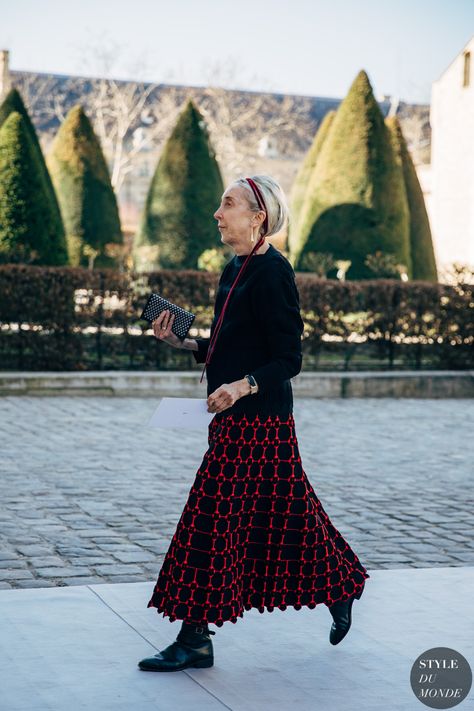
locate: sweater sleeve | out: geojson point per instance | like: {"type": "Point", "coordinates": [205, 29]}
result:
{"type": "Point", "coordinates": [275, 302]}
{"type": "Point", "coordinates": [203, 343]}
{"type": "Point", "coordinates": [201, 353]}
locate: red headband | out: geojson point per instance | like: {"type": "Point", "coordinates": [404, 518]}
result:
{"type": "Point", "coordinates": [260, 201]}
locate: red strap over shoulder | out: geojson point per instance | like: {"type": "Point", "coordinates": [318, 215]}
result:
{"type": "Point", "coordinates": [221, 316]}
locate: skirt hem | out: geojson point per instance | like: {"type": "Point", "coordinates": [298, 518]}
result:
{"type": "Point", "coordinates": [358, 588]}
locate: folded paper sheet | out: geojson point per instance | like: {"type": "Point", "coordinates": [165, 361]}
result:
{"type": "Point", "coordinates": [183, 412]}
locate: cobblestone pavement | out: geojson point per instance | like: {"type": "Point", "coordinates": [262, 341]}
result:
{"type": "Point", "coordinates": [90, 494]}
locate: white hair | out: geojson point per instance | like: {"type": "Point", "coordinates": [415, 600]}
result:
{"type": "Point", "coordinates": [275, 201]}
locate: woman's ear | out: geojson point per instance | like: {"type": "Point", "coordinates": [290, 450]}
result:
{"type": "Point", "coordinates": [258, 219]}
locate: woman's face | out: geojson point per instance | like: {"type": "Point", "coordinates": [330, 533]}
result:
{"type": "Point", "coordinates": [235, 219]}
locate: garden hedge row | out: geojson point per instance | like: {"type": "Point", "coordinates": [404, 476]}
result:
{"type": "Point", "coordinates": [66, 318]}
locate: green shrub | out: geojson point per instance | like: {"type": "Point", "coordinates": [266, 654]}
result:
{"type": "Point", "coordinates": [82, 181]}
{"type": "Point", "coordinates": [300, 185]}
{"type": "Point", "coordinates": [356, 202]}
{"type": "Point", "coordinates": [27, 216]}
{"type": "Point", "coordinates": [177, 223]}
{"type": "Point", "coordinates": [421, 244]}
{"type": "Point", "coordinates": [56, 253]}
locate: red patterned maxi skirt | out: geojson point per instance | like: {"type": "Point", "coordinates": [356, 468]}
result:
{"type": "Point", "coordinates": [253, 533]}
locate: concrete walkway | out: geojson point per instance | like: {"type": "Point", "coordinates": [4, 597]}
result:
{"type": "Point", "coordinates": [66, 649]}
{"type": "Point", "coordinates": [179, 383]}
{"type": "Point", "coordinates": [90, 500]}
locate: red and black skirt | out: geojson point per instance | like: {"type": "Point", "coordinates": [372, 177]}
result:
{"type": "Point", "coordinates": [253, 533]}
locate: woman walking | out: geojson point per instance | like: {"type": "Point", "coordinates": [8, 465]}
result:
{"type": "Point", "coordinates": [252, 533]}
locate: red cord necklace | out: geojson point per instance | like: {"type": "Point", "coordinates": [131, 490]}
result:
{"type": "Point", "coordinates": [212, 342]}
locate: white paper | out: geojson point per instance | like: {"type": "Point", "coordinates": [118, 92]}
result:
{"type": "Point", "coordinates": [183, 412]}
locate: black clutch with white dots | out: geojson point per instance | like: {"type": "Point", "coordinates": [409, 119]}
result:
{"type": "Point", "coordinates": [157, 304]}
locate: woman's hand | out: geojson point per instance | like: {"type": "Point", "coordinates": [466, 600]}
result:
{"type": "Point", "coordinates": [226, 394]}
{"type": "Point", "coordinates": [162, 329]}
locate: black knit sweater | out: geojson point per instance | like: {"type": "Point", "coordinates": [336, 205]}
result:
{"type": "Point", "coordinates": [260, 334]}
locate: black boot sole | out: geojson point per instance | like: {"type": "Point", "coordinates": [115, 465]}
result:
{"type": "Point", "coordinates": [204, 664]}
{"type": "Point", "coordinates": [178, 656]}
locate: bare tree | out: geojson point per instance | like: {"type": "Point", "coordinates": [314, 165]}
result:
{"type": "Point", "coordinates": [415, 124]}
{"type": "Point", "coordinates": [237, 119]}
{"type": "Point", "coordinates": [36, 90]}
{"type": "Point", "coordinates": [117, 110]}
{"type": "Point", "coordinates": [127, 115]}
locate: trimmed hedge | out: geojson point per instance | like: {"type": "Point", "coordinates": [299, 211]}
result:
{"type": "Point", "coordinates": [26, 214]}
{"type": "Point", "coordinates": [300, 184]}
{"type": "Point", "coordinates": [64, 318]}
{"type": "Point", "coordinates": [421, 245]}
{"type": "Point", "coordinates": [177, 225]}
{"type": "Point", "coordinates": [355, 203]}
{"type": "Point", "coordinates": [56, 253]}
{"type": "Point", "coordinates": [81, 178]}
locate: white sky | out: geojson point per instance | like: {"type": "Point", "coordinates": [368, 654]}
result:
{"type": "Point", "coordinates": [311, 47]}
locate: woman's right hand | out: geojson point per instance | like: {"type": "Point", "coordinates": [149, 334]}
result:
{"type": "Point", "coordinates": [162, 329]}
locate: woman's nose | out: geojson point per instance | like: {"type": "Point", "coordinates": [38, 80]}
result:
{"type": "Point", "coordinates": [216, 214]}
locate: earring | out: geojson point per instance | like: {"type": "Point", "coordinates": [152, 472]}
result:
{"type": "Point", "coordinates": [252, 236]}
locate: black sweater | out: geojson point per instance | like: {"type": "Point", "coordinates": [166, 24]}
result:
{"type": "Point", "coordinates": [260, 334]}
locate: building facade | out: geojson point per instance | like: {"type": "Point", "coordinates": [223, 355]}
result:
{"type": "Point", "coordinates": [452, 161]}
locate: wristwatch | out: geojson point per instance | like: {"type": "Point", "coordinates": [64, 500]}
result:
{"type": "Point", "coordinates": [253, 384]}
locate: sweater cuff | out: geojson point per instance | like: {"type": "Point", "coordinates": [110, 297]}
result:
{"type": "Point", "coordinates": [201, 353]}
{"type": "Point", "coordinates": [273, 374]}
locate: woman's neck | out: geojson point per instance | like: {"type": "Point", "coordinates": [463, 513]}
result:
{"type": "Point", "coordinates": [261, 250]}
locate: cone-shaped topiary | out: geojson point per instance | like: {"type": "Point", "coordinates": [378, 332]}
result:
{"type": "Point", "coordinates": [421, 244]}
{"type": "Point", "coordinates": [58, 254]}
{"type": "Point", "coordinates": [27, 218]}
{"type": "Point", "coordinates": [177, 224]}
{"type": "Point", "coordinates": [355, 204]}
{"type": "Point", "coordinates": [300, 184]}
{"type": "Point", "coordinates": [82, 181]}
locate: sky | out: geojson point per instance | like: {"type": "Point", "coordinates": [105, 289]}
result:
{"type": "Point", "coordinates": [308, 47]}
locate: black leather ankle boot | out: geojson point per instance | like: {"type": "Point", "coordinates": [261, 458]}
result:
{"type": "Point", "coordinates": [341, 613]}
{"type": "Point", "coordinates": [192, 648]}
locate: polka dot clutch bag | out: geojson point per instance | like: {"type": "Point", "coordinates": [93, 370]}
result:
{"type": "Point", "coordinates": [183, 319]}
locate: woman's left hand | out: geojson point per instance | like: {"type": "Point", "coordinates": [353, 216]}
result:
{"type": "Point", "coordinates": [225, 395]}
